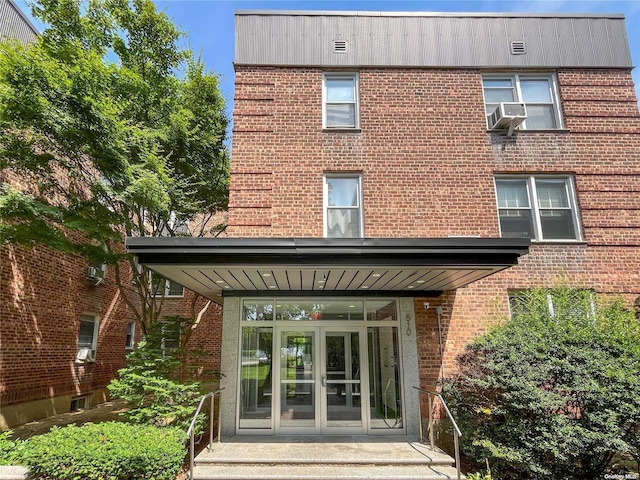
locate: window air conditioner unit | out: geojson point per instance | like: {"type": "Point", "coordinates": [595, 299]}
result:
{"type": "Point", "coordinates": [95, 275]}
{"type": "Point", "coordinates": [85, 355]}
{"type": "Point", "coordinates": [507, 115]}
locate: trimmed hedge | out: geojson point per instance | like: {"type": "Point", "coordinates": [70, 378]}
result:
{"type": "Point", "coordinates": [104, 451]}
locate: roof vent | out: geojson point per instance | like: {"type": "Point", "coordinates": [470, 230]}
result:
{"type": "Point", "coordinates": [518, 48]}
{"type": "Point", "coordinates": [339, 46]}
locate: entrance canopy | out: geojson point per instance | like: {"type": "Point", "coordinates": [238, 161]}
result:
{"type": "Point", "coordinates": [218, 267]}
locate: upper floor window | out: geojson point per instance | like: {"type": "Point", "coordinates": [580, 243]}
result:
{"type": "Point", "coordinates": [537, 92]}
{"type": "Point", "coordinates": [96, 273]}
{"type": "Point", "coordinates": [537, 207]}
{"type": "Point", "coordinates": [343, 206]}
{"type": "Point", "coordinates": [173, 226]}
{"type": "Point", "coordinates": [163, 287]}
{"type": "Point", "coordinates": [340, 100]}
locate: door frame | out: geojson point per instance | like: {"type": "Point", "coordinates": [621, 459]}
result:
{"type": "Point", "coordinates": [319, 368]}
{"type": "Point", "coordinates": [325, 428]}
{"type": "Point", "coordinates": [277, 381]}
{"type": "Point", "coordinates": [404, 309]}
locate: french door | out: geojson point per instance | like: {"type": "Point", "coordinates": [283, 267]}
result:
{"type": "Point", "coordinates": [321, 381]}
{"type": "Point", "coordinates": [320, 367]}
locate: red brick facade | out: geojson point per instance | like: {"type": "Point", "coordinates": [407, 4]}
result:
{"type": "Point", "coordinates": [428, 166]}
{"type": "Point", "coordinates": [43, 295]}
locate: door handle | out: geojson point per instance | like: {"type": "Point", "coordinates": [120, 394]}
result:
{"type": "Point", "coordinates": [324, 380]}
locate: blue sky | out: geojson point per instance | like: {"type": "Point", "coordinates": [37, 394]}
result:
{"type": "Point", "coordinates": [209, 24]}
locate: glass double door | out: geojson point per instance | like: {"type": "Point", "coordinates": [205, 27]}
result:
{"type": "Point", "coordinates": [321, 378]}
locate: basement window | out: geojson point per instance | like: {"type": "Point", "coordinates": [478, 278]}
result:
{"type": "Point", "coordinates": [79, 403]}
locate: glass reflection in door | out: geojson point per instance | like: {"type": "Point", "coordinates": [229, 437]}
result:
{"type": "Point", "coordinates": [342, 379]}
{"type": "Point", "coordinates": [384, 378]}
{"type": "Point", "coordinates": [297, 379]}
{"type": "Point", "coordinates": [255, 377]}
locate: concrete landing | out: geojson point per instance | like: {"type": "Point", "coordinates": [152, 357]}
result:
{"type": "Point", "coordinates": [323, 458]}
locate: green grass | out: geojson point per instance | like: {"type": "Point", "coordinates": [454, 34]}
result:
{"type": "Point", "coordinates": [255, 372]}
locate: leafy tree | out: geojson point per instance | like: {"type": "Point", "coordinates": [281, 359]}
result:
{"type": "Point", "coordinates": [109, 128]}
{"type": "Point", "coordinates": [553, 392]}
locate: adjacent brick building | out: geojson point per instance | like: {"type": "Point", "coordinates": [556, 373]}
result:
{"type": "Point", "coordinates": [64, 328]}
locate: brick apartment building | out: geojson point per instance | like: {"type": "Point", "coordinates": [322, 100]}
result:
{"type": "Point", "coordinates": [396, 178]}
{"type": "Point", "coordinates": [64, 329]}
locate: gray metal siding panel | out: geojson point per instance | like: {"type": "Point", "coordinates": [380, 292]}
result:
{"type": "Point", "coordinates": [549, 42]}
{"type": "Point", "coordinates": [431, 41]}
{"type": "Point", "coordinates": [618, 41]}
{"type": "Point", "coordinates": [14, 25]}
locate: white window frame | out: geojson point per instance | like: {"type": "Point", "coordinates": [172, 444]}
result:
{"type": "Point", "coordinates": [86, 317]}
{"type": "Point", "coordinates": [516, 78]}
{"type": "Point", "coordinates": [550, 306]}
{"type": "Point", "coordinates": [164, 340]}
{"type": "Point", "coordinates": [325, 195]}
{"type": "Point", "coordinates": [341, 75]}
{"type": "Point", "coordinates": [535, 209]}
{"type": "Point", "coordinates": [167, 287]}
{"type": "Point", "coordinates": [130, 338]}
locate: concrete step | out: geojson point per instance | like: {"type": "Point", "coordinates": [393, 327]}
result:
{"type": "Point", "coordinates": [306, 459]}
{"type": "Point", "coordinates": [323, 472]}
{"type": "Point", "coordinates": [396, 453]}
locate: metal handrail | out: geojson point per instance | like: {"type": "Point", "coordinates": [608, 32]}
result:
{"type": "Point", "coordinates": [456, 431]}
{"type": "Point", "coordinates": [192, 426]}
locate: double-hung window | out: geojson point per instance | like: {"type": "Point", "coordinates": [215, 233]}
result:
{"type": "Point", "coordinates": [343, 206]}
{"type": "Point", "coordinates": [537, 92]}
{"type": "Point", "coordinates": [88, 335]}
{"type": "Point", "coordinates": [340, 101]}
{"type": "Point", "coordinates": [170, 340]}
{"type": "Point", "coordinates": [540, 207]}
{"type": "Point", "coordinates": [130, 338]}
{"type": "Point", "coordinates": [163, 287]}
{"type": "Point", "coordinates": [571, 302]}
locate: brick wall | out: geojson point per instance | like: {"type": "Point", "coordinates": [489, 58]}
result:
{"type": "Point", "coordinates": [207, 335]}
{"type": "Point", "coordinates": [42, 297]}
{"type": "Point", "coordinates": [428, 165]}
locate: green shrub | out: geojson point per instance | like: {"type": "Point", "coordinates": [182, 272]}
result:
{"type": "Point", "coordinates": [8, 448]}
{"type": "Point", "coordinates": [478, 476]}
{"type": "Point", "coordinates": [551, 393]}
{"type": "Point", "coordinates": [105, 451]}
{"type": "Point", "coordinates": [154, 395]}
